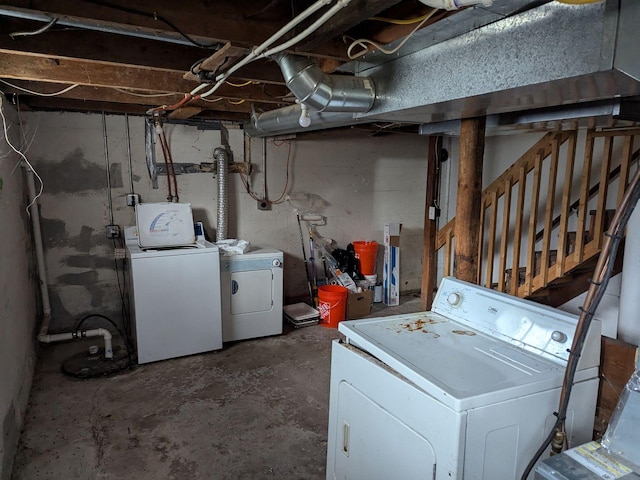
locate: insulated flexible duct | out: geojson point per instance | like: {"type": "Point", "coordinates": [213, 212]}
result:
{"type": "Point", "coordinates": [220, 154]}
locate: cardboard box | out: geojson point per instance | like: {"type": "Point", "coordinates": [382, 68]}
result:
{"type": "Point", "coordinates": [359, 304]}
{"type": "Point", "coordinates": [392, 234]}
{"type": "Point", "coordinates": [391, 276]}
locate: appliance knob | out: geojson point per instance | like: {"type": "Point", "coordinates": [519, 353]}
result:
{"type": "Point", "coordinates": [276, 262]}
{"type": "Point", "coordinates": [559, 336]}
{"type": "Point", "coordinates": [454, 299]}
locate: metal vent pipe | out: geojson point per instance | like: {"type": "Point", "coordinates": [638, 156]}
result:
{"type": "Point", "coordinates": [323, 92]}
{"type": "Point", "coordinates": [220, 154]}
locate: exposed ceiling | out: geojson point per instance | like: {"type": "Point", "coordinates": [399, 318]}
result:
{"type": "Point", "coordinates": [119, 72]}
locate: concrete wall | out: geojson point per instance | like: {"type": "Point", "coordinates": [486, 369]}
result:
{"type": "Point", "coordinates": [17, 297]}
{"type": "Point", "coordinates": [356, 181]}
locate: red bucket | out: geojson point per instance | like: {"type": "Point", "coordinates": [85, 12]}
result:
{"type": "Point", "coordinates": [367, 253]}
{"type": "Point", "coordinates": [332, 304]}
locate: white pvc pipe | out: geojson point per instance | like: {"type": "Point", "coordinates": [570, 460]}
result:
{"type": "Point", "coordinates": [98, 332]}
{"type": "Point", "coordinates": [37, 239]}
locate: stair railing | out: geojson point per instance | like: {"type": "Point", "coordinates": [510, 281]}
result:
{"type": "Point", "coordinates": [543, 239]}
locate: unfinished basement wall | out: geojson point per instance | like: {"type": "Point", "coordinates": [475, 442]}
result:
{"type": "Point", "coordinates": [17, 296]}
{"type": "Point", "coordinates": [356, 181]}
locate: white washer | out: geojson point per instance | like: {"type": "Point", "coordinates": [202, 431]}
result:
{"type": "Point", "coordinates": [252, 291]}
{"type": "Point", "coordinates": [466, 391]}
{"type": "Point", "coordinates": [175, 294]}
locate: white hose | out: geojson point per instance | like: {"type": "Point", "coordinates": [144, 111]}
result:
{"type": "Point", "coordinates": [258, 51]}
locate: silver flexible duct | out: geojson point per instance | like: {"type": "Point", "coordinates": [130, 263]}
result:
{"type": "Point", "coordinates": [220, 154]}
{"type": "Point", "coordinates": [322, 92]}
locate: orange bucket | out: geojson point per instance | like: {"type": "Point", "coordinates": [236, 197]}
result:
{"type": "Point", "coordinates": [332, 304]}
{"type": "Point", "coordinates": [367, 253]}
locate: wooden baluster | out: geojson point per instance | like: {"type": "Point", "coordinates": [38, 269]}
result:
{"type": "Point", "coordinates": [548, 214]}
{"type": "Point", "coordinates": [493, 205]}
{"type": "Point", "coordinates": [627, 152]}
{"type": "Point", "coordinates": [480, 241]}
{"type": "Point", "coordinates": [517, 235]}
{"type": "Point", "coordinates": [533, 221]}
{"type": "Point", "coordinates": [504, 239]}
{"type": "Point", "coordinates": [603, 190]}
{"type": "Point", "coordinates": [447, 254]}
{"type": "Point", "coordinates": [566, 204]}
{"type": "Point", "coordinates": [578, 255]}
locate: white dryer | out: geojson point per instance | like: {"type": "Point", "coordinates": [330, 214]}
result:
{"type": "Point", "coordinates": [252, 291]}
{"type": "Point", "coordinates": [466, 391]}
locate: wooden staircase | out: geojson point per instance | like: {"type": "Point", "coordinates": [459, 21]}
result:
{"type": "Point", "coordinates": [546, 215]}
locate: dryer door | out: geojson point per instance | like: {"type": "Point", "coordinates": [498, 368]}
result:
{"type": "Point", "coordinates": [374, 444]}
{"type": "Point", "coordinates": [251, 291]}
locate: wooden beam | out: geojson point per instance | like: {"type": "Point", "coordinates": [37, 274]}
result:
{"type": "Point", "coordinates": [67, 104]}
{"type": "Point", "coordinates": [227, 21]}
{"type": "Point", "coordinates": [118, 49]}
{"type": "Point", "coordinates": [57, 69]}
{"type": "Point", "coordinates": [430, 230]}
{"type": "Point", "coordinates": [465, 262]}
{"type": "Point", "coordinates": [111, 95]}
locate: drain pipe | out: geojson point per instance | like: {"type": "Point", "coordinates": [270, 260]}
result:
{"type": "Point", "coordinates": [37, 239]}
{"type": "Point", "coordinates": [220, 154]}
{"type": "Point", "coordinates": [43, 335]}
{"type": "Point", "coordinates": [97, 332]}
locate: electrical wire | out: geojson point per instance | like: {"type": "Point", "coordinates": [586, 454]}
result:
{"type": "Point", "coordinates": [26, 90]}
{"type": "Point", "coordinates": [22, 155]}
{"type": "Point", "coordinates": [282, 198]}
{"type": "Point", "coordinates": [248, 82]}
{"type": "Point", "coordinates": [239, 102]}
{"type": "Point", "coordinates": [34, 32]}
{"type": "Point", "coordinates": [154, 16]}
{"type": "Point", "coordinates": [398, 21]}
{"type": "Point", "coordinates": [173, 170]}
{"type": "Point", "coordinates": [143, 95]}
{"type": "Point", "coordinates": [363, 42]}
{"type": "Point", "coordinates": [601, 276]}
{"type": "Point", "coordinates": [260, 51]}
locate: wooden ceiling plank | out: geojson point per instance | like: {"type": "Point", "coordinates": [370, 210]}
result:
{"type": "Point", "coordinates": [47, 68]}
{"type": "Point", "coordinates": [67, 104]}
{"type": "Point", "coordinates": [222, 57]}
{"type": "Point", "coordinates": [82, 44]}
{"type": "Point", "coordinates": [208, 25]}
{"type": "Point", "coordinates": [184, 113]}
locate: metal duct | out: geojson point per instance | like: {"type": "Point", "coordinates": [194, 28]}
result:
{"type": "Point", "coordinates": [552, 55]}
{"type": "Point", "coordinates": [220, 154]}
{"type": "Point", "coordinates": [286, 120]}
{"type": "Point", "coordinates": [556, 54]}
{"type": "Point", "coordinates": [322, 92]}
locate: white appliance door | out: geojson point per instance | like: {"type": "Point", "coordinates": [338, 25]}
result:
{"type": "Point", "coordinates": [375, 444]}
{"type": "Point", "coordinates": [383, 427]}
{"type": "Point", "coordinates": [251, 291]}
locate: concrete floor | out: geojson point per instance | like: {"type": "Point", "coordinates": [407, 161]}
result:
{"type": "Point", "coordinates": [254, 410]}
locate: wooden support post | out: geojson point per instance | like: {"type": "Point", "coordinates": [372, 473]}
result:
{"type": "Point", "coordinates": [467, 230]}
{"type": "Point", "coordinates": [430, 228]}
